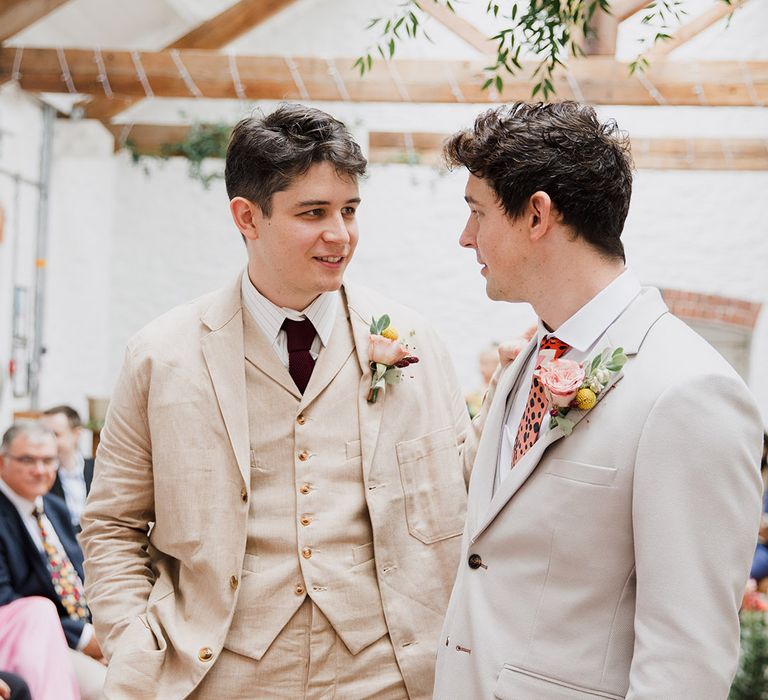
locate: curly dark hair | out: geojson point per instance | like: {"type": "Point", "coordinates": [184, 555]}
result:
{"type": "Point", "coordinates": [561, 149]}
{"type": "Point", "coordinates": [267, 153]}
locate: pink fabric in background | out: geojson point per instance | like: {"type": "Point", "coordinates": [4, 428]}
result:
{"type": "Point", "coordinates": [33, 646]}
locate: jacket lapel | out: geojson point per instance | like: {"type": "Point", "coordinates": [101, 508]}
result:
{"type": "Point", "coordinates": [360, 313]}
{"type": "Point", "coordinates": [484, 471]}
{"type": "Point", "coordinates": [628, 332]}
{"type": "Point", "coordinates": [223, 351]}
{"type": "Point", "coordinates": [332, 358]}
{"type": "Point", "coordinates": [261, 355]}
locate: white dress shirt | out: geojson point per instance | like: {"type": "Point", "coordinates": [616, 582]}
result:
{"type": "Point", "coordinates": [73, 484]}
{"type": "Point", "coordinates": [269, 318]}
{"type": "Point", "coordinates": [25, 508]}
{"type": "Point", "coordinates": [581, 331]}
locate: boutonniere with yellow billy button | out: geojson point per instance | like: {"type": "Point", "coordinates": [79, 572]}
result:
{"type": "Point", "coordinates": [567, 384]}
{"type": "Point", "coordinates": [388, 356]}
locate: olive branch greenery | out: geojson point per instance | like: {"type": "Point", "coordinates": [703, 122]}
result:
{"type": "Point", "coordinates": [551, 29]}
{"type": "Point", "coordinates": [202, 142]}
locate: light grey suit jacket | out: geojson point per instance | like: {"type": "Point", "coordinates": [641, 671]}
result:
{"type": "Point", "coordinates": [614, 559]}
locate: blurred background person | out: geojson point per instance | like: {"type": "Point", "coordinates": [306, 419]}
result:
{"type": "Point", "coordinates": [75, 472]}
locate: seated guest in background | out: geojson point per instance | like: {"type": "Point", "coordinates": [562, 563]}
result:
{"type": "Point", "coordinates": [75, 473]}
{"type": "Point", "coordinates": [33, 646]}
{"type": "Point", "coordinates": [39, 555]}
{"type": "Point", "coordinates": [12, 687]}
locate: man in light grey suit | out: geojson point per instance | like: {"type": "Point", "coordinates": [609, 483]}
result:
{"type": "Point", "coordinates": [615, 497]}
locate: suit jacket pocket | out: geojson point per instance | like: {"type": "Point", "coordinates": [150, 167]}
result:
{"type": "Point", "coordinates": [435, 494]}
{"type": "Point", "coordinates": [582, 472]}
{"type": "Point", "coordinates": [519, 684]}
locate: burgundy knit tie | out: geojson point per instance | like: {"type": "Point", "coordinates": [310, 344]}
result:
{"type": "Point", "coordinates": [300, 335]}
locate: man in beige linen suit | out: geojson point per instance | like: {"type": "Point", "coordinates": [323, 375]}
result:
{"type": "Point", "coordinates": [607, 546]}
{"type": "Point", "coordinates": [257, 528]}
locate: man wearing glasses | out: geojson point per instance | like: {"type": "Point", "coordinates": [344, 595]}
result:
{"type": "Point", "coordinates": [39, 555]}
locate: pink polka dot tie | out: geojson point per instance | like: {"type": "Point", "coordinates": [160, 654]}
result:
{"type": "Point", "coordinates": [536, 407]}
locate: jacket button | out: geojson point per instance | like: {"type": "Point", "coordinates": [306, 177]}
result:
{"type": "Point", "coordinates": [243, 495]}
{"type": "Point", "coordinates": [233, 582]}
{"type": "Point", "coordinates": [475, 561]}
{"type": "Point", "coordinates": [301, 419]}
{"type": "Point", "coordinates": [205, 654]}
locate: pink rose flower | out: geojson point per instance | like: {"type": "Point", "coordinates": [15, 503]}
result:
{"type": "Point", "coordinates": [561, 380]}
{"type": "Point", "coordinates": [385, 351]}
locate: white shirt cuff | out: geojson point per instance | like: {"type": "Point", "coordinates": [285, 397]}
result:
{"type": "Point", "coordinates": [85, 637]}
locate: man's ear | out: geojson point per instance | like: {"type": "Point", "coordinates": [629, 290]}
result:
{"type": "Point", "coordinates": [541, 214]}
{"type": "Point", "coordinates": [247, 217]}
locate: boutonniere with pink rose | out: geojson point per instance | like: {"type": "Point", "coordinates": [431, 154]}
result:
{"type": "Point", "coordinates": [388, 356]}
{"type": "Point", "coordinates": [568, 384]}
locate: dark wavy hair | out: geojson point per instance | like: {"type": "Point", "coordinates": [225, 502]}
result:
{"type": "Point", "coordinates": [265, 154]}
{"type": "Point", "coordinates": [561, 149]}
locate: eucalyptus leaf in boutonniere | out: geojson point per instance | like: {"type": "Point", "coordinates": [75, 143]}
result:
{"type": "Point", "coordinates": [388, 356]}
{"type": "Point", "coordinates": [568, 384]}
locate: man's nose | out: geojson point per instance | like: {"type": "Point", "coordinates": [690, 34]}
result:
{"type": "Point", "coordinates": [469, 234]}
{"type": "Point", "coordinates": [336, 230]}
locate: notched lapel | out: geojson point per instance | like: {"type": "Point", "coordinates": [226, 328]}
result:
{"type": "Point", "coordinates": [370, 413]}
{"type": "Point", "coordinates": [484, 469]}
{"type": "Point", "coordinates": [332, 358]}
{"type": "Point", "coordinates": [223, 351]}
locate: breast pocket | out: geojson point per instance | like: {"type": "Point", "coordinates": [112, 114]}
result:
{"type": "Point", "coordinates": [433, 485]}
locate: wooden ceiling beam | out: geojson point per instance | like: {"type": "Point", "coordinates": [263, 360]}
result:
{"type": "Point", "coordinates": [214, 33]}
{"type": "Point", "coordinates": [16, 15]}
{"type": "Point", "coordinates": [460, 27]}
{"type": "Point", "coordinates": [595, 80]}
{"type": "Point", "coordinates": [693, 28]}
{"type": "Point", "coordinates": [425, 148]}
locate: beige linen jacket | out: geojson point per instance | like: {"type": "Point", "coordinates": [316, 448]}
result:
{"type": "Point", "coordinates": [614, 559]}
{"type": "Point", "coordinates": [175, 454]}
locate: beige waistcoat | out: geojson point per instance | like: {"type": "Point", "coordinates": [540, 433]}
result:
{"type": "Point", "coordinates": [309, 532]}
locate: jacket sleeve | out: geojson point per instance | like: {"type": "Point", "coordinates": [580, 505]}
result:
{"type": "Point", "coordinates": [73, 630]}
{"type": "Point", "coordinates": [696, 509]}
{"type": "Point", "coordinates": [120, 507]}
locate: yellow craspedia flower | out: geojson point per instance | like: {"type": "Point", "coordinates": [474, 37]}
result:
{"type": "Point", "coordinates": [585, 399]}
{"type": "Point", "coordinates": [390, 333]}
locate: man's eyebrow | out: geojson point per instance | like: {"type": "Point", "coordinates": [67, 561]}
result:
{"type": "Point", "coordinates": [469, 200]}
{"type": "Point", "coordinates": [324, 202]}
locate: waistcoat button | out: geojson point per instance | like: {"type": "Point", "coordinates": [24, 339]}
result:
{"type": "Point", "coordinates": [303, 455]}
{"type": "Point", "coordinates": [233, 582]}
{"type": "Point", "coordinates": [306, 552]}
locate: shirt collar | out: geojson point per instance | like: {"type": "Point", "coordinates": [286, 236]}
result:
{"type": "Point", "coordinates": [322, 311]}
{"type": "Point", "coordinates": [24, 506]}
{"type": "Point", "coordinates": [77, 472]}
{"type": "Point", "coordinates": [583, 329]}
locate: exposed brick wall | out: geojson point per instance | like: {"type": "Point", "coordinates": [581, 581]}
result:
{"type": "Point", "coordinates": [710, 307]}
